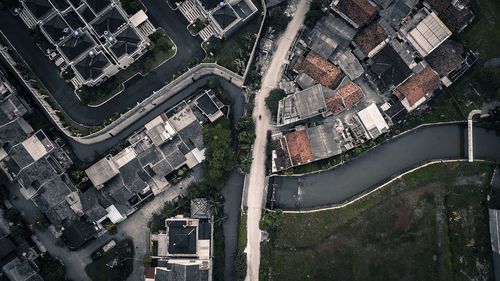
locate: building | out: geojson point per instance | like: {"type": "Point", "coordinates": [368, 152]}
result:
{"type": "Point", "coordinates": [330, 35]}
{"type": "Point", "coordinates": [370, 39]}
{"type": "Point", "coordinates": [394, 11]}
{"type": "Point", "coordinates": [349, 64]}
{"type": "Point", "coordinates": [450, 60]}
{"type": "Point", "coordinates": [222, 18]}
{"type": "Point", "coordinates": [428, 33]}
{"type": "Point", "coordinates": [373, 121]}
{"type": "Point", "coordinates": [93, 39]}
{"type": "Point", "coordinates": [21, 270]}
{"type": "Point", "coordinates": [301, 106]}
{"type": "Point", "coordinates": [319, 69]}
{"type": "Point", "coordinates": [357, 12]}
{"type": "Point", "coordinates": [387, 69]}
{"type": "Point", "coordinates": [457, 17]}
{"type": "Point", "coordinates": [184, 250]}
{"type": "Point", "coordinates": [418, 88]}
{"type": "Point", "coordinates": [304, 145]}
{"type": "Point", "coordinates": [164, 148]}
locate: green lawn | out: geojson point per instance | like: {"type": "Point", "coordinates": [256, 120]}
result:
{"type": "Point", "coordinates": [161, 49]}
{"type": "Point", "coordinates": [430, 225]}
{"type": "Point", "coordinates": [123, 254]}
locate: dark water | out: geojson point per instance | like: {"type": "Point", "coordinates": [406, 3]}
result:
{"type": "Point", "coordinates": [376, 166]}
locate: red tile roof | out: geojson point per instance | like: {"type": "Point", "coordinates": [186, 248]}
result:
{"type": "Point", "coordinates": [359, 11]}
{"type": "Point", "coordinates": [370, 37]}
{"type": "Point", "coordinates": [299, 147]}
{"type": "Point", "coordinates": [351, 94]}
{"type": "Point", "coordinates": [335, 104]}
{"type": "Point", "coordinates": [320, 69]}
{"type": "Point", "coordinates": [418, 86]}
{"type": "Point", "coordinates": [149, 272]}
{"type": "Point", "coordinates": [439, 5]}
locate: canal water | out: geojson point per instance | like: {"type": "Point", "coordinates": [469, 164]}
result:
{"type": "Point", "coordinates": [377, 165]}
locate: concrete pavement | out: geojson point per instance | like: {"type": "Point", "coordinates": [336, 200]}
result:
{"type": "Point", "coordinates": [256, 178]}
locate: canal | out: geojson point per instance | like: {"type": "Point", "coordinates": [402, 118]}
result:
{"type": "Point", "coordinates": [372, 168]}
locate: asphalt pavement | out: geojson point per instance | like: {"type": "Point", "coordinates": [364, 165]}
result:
{"type": "Point", "coordinates": [188, 50]}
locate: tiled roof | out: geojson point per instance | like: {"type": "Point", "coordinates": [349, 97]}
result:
{"type": "Point", "coordinates": [359, 11]}
{"type": "Point", "coordinates": [299, 147]}
{"type": "Point", "coordinates": [335, 104]}
{"type": "Point", "coordinates": [418, 86]}
{"type": "Point", "coordinates": [320, 69]}
{"type": "Point", "coordinates": [447, 57]}
{"type": "Point", "coordinates": [439, 5]}
{"type": "Point", "coordinates": [351, 94]}
{"type": "Point", "coordinates": [456, 20]}
{"type": "Point", "coordinates": [370, 37]}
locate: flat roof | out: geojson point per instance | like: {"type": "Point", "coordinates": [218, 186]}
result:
{"type": "Point", "coordinates": [138, 18]}
{"type": "Point", "coordinates": [373, 120]}
{"type": "Point", "coordinates": [102, 171]}
{"type": "Point", "coordinates": [324, 141]}
{"type": "Point", "coordinates": [301, 105]}
{"type": "Point", "coordinates": [428, 34]}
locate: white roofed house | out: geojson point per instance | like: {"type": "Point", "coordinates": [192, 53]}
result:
{"type": "Point", "coordinates": [373, 121]}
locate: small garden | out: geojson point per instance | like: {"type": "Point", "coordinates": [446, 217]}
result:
{"type": "Point", "coordinates": [197, 26]}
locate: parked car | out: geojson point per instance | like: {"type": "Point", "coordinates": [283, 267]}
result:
{"type": "Point", "coordinates": [97, 254]}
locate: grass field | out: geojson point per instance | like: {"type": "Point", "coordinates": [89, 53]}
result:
{"type": "Point", "coordinates": [430, 225]}
{"type": "Point", "coordinates": [123, 254]}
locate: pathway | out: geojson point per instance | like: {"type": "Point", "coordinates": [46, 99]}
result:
{"type": "Point", "coordinates": [257, 176]}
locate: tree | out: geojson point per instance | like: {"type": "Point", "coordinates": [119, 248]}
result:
{"type": "Point", "coordinates": [51, 268]}
{"type": "Point", "coordinates": [273, 99]}
{"type": "Point", "coordinates": [112, 228]}
{"type": "Point", "coordinates": [219, 155]}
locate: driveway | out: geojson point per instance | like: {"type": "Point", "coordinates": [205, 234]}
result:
{"type": "Point", "coordinates": [189, 50]}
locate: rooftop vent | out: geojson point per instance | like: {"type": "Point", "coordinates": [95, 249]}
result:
{"type": "Point", "coordinates": [66, 30]}
{"type": "Point", "coordinates": [106, 33]}
{"type": "Point", "coordinates": [92, 54]}
{"type": "Point", "coordinates": [77, 33]}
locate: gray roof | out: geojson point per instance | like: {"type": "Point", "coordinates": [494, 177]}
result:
{"type": "Point", "coordinates": [126, 42]}
{"type": "Point", "coordinates": [349, 64]}
{"type": "Point", "coordinates": [324, 141]}
{"type": "Point", "coordinates": [11, 108]}
{"type": "Point", "coordinates": [200, 208]}
{"type": "Point", "coordinates": [110, 21]}
{"type": "Point", "coordinates": [92, 66]}
{"type": "Point", "coordinates": [182, 272]}
{"type": "Point", "coordinates": [225, 16]}
{"type": "Point", "coordinates": [192, 136]}
{"type": "Point", "coordinates": [182, 238]}
{"type": "Point", "coordinates": [52, 193]}
{"type": "Point", "coordinates": [77, 44]}
{"type": "Point", "coordinates": [21, 270]}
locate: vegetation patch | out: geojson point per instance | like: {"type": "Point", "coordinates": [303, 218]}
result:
{"type": "Point", "coordinates": [115, 265]}
{"type": "Point", "coordinates": [430, 225]}
{"type": "Point", "coordinates": [131, 6]}
{"type": "Point", "coordinates": [233, 52]}
{"type": "Point", "coordinates": [273, 99]}
{"type": "Point", "coordinates": [197, 26]}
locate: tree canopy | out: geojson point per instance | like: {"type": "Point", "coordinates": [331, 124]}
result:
{"type": "Point", "coordinates": [273, 99]}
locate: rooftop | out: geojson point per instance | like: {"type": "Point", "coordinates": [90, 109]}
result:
{"type": "Point", "coordinates": [414, 90]}
{"type": "Point", "coordinates": [102, 171]}
{"type": "Point", "coordinates": [324, 141]}
{"type": "Point", "coordinates": [299, 147]}
{"type": "Point", "coordinates": [447, 57]}
{"type": "Point", "coordinates": [21, 270]}
{"type": "Point", "coordinates": [320, 69]}
{"type": "Point", "coordinates": [358, 11]}
{"type": "Point", "coordinates": [301, 105]}
{"type": "Point", "coordinates": [109, 22]}
{"type": "Point", "coordinates": [200, 208]}
{"type": "Point", "coordinates": [457, 19]}
{"type": "Point", "coordinates": [388, 69]}
{"type": "Point", "coordinates": [182, 237]}
{"type": "Point", "coordinates": [439, 5]}
{"type": "Point", "coordinates": [372, 120]}
{"type": "Point", "coordinates": [351, 94]}
{"type": "Point", "coordinates": [370, 37]}
{"type": "Point", "coordinates": [225, 16]}
{"type": "Point", "coordinates": [92, 65]}
{"type": "Point", "coordinates": [428, 34]}
{"type": "Point", "coordinates": [349, 64]}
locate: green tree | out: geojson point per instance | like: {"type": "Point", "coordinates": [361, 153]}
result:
{"type": "Point", "coordinates": [51, 268]}
{"type": "Point", "coordinates": [219, 155]}
{"type": "Point", "coordinates": [273, 99]}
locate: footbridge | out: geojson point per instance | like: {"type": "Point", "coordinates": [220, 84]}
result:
{"type": "Point", "coordinates": [470, 133]}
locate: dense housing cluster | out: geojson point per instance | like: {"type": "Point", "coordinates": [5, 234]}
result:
{"type": "Point", "coordinates": [220, 18]}
{"type": "Point", "coordinates": [364, 66]}
{"type": "Point", "coordinates": [92, 39]}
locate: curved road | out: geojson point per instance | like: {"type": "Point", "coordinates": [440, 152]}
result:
{"type": "Point", "coordinates": [189, 51]}
{"type": "Point", "coordinates": [374, 167]}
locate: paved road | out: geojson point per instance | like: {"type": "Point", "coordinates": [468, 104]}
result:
{"type": "Point", "coordinates": [189, 50]}
{"type": "Point", "coordinates": [383, 162]}
{"type": "Point", "coordinates": [256, 178]}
